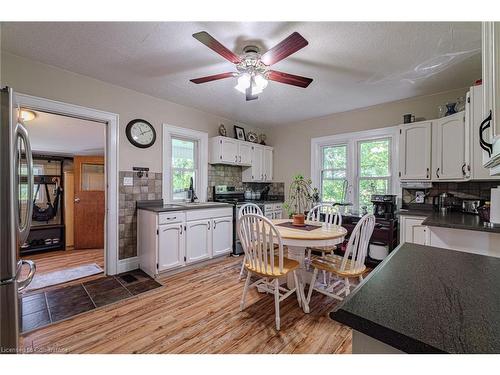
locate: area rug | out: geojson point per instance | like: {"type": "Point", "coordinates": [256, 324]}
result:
{"type": "Point", "coordinates": [63, 276]}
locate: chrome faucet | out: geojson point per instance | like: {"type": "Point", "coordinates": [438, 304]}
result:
{"type": "Point", "coordinates": [191, 194]}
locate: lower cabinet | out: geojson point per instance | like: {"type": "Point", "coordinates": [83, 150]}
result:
{"type": "Point", "coordinates": [412, 230]}
{"type": "Point", "coordinates": [195, 237]}
{"type": "Point", "coordinates": [170, 246]}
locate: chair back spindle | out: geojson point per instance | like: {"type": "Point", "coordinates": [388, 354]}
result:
{"type": "Point", "coordinates": [332, 216]}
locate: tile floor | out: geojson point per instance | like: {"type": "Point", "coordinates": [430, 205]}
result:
{"type": "Point", "coordinates": [41, 308]}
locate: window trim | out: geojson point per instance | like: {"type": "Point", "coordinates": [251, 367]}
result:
{"type": "Point", "coordinates": [201, 183]}
{"type": "Point", "coordinates": [351, 139]}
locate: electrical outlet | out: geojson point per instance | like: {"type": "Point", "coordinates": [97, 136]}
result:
{"type": "Point", "coordinates": [128, 181]}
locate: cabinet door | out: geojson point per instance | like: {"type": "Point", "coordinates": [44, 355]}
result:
{"type": "Point", "coordinates": [229, 150]}
{"type": "Point", "coordinates": [245, 153]}
{"type": "Point", "coordinates": [450, 152]}
{"type": "Point", "coordinates": [198, 240]}
{"type": "Point", "coordinates": [267, 164]}
{"type": "Point", "coordinates": [413, 231]}
{"type": "Point", "coordinates": [490, 42]}
{"type": "Point", "coordinates": [415, 151]}
{"type": "Point", "coordinates": [170, 246]}
{"type": "Point", "coordinates": [222, 235]}
{"type": "Point", "coordinates": [257, 160]}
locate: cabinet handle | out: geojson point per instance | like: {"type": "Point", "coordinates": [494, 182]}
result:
{"type": "Point", "coordinates": [181, 229]}
{"type": "Point", "coordinates": [463, 169]}
{"type": "Point", "coordinates": [208, 228]}
{"type": "Point", "coordinates": [426, 175]}
{"type": "Point", "coordinates": [240, 158]}
{"type": "Point", "coordinates": [172, 218]}
{"type": "Point", "coordinates": [236, 158]}
{"type": "Point", "coordinates": [261, 176]}
{"type": "Point", "coordinates": [437, 173]}
{"type": "Point", "coordinates": [215, 224]}
{"type": "Point", "coordinates": [486, 146]}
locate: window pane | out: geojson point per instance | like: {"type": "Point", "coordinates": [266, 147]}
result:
{"type": "Point", "coordinates": [180, 183]}
{"type": "Point", "coordinates": [334, 157]}
{"type": "Point", "coordinates": [367, 187]}
{"type": "Point", "coordinates": [92, 177]}
{"type": "Point", "coordinates": [332, 190]}
{"type": "Point", "coordinates": [374, 158]}
{"type": "Point", "coordinates": [334, 174]}
{"type": "Point", "coordinates": [183, 154]}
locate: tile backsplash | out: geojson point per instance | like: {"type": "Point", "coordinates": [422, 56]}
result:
{"type": "Point", "coordinates": [464, 190]}
{"type": "Point", "coordinates": [231, 175]}
{"type": "Point", "coordinates": [144, 188]}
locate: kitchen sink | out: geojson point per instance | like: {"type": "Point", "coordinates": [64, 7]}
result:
{"type": "Point", "coordinates": [188, 204]}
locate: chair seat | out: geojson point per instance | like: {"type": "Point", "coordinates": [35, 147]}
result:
{"type": "Point", "coordinates": [332, 263]}
{"type": "Point", "coordinates": [288, 266]}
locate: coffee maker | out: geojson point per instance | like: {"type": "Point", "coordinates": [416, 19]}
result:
{"type": "Point", "coordinates": [384, 205]}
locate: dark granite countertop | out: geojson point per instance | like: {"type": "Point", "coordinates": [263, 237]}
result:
{"type": "Point", "coordinates": [453, 220]}
{"type": "Point", "coordinates": [158, 206]}
{"type": "Point", "coordinates": [424, 299]}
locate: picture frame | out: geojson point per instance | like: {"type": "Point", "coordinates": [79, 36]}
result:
{"type": "Point", "coordinates": [239, 133]}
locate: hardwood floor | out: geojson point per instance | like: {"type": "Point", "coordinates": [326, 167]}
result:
{"type": "Point", "coordinates": [58, 260]}
{"type": "Point", "coordinates": [197, 312]}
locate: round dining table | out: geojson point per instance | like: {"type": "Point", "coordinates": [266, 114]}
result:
{"type": "Point", "coordinates": [297, 239]}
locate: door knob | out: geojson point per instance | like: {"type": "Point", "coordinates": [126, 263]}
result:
{"type": "Point", "coordinates": [77, 200]}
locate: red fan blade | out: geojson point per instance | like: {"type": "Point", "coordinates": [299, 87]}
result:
{"type": "Point", "coordinates": [216, 46]}
{"type": "Point", "coordinates": [284, 49]}
{"type": "Point", "coordinates": [215, 77]}
{"type": "Point", "coordinates": [289, 79]}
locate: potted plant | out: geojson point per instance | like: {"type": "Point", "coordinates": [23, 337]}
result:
{"type": "Point", "coordinates": [300, 196]}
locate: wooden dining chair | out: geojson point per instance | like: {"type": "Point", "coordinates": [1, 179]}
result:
{"type": "Point", "coordinates": [331, 217]}
{"type": "Point", "coordinates": [247, 208]}
{"type": "Point", "coordinates": [351, 265]}
{"type": "Point", "coordinates": [263, 248]}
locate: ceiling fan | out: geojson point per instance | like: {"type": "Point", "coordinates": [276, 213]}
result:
{"type": "Point", "coordinates": [253, 68]}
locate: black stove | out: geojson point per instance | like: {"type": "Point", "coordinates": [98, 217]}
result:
{"type": "Point", "coordinates": [236, 197]}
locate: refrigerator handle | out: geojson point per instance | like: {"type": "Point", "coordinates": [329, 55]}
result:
{"type": "Point", "coordinates": [25, 229]}
{"type": "Point", "coordinates": [21, 284]}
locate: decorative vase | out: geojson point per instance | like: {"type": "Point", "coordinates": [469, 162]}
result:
{"type": "Point", "coordinates": [450, 109]}
{"type": "Point", "coordinates": [298, 220]}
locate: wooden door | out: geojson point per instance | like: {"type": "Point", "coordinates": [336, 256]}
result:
{"type": "Point", "coordinates": [450, 148]}
{"type": "Point", "coordinates": [170, 246]}
{"type": "Point", "coordinates": [197, 241]}
{"type": "Point", "coordinates": [90, 205]}
{"type": "Point", "coordinates": [415, 151]}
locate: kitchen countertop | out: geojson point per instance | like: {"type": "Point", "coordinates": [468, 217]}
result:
{"type": "Point", "coordinates": [424, 299]}
{"type": "Point", "coordinates": [160, 207]}
{"type": "Point", "coordinates": [453, 220]}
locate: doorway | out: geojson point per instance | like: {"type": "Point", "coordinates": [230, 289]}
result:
{"type": "Point", "coordinates": [67, 234]}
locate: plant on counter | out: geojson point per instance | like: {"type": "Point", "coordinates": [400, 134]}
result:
{"type": "Point", "coordinates": [300, 197]}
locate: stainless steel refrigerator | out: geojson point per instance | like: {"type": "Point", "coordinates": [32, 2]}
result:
{"type": "Point", "coordinates": [16, 196]}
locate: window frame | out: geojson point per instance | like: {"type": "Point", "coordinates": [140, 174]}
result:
{"type": "Point", "coordinates": [322, 170]}
{"type": "Point", "coordinates": [201, 155]}
{"type": "Point", "coordinates": [351, 140]}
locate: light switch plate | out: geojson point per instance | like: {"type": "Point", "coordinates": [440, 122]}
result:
{"type": "Point", "coordinates": [128, 181]}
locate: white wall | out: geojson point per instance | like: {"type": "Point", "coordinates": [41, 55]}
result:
{"type": "Point", "coordinates": [34, 78]}
{"type": "Point", "coordinates": [292, 143]}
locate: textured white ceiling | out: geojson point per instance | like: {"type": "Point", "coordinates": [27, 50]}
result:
{"type": "Point", "coordinates": [353, 65]}
{"type": "Point", "coordinates": [61, 135]}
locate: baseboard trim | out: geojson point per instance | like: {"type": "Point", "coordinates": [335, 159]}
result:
{"type": "Point", "coordinates": [128, 264]}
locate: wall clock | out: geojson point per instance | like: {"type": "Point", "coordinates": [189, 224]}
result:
{"type": "Point", "coordinates": [140, 133]}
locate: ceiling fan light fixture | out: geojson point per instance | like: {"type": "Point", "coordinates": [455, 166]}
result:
{"type": "Point", "coordinates": [243, 83]}
{"type": "Point", "coordinates": [26, 115]}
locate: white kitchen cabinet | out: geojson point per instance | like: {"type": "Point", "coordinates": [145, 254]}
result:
{"type": "Point", "coordinates": [198, 241]}
{"type": "Point", "coordinates": [225, 150]}
{"type": "Point", "coordinates": [171, 240]}
{"type": "Point", "coordinates": [415, 149]}
{"type": "Point", "coordinates": [412, 230]}
{"type": "Point", "coordinates": [450, 156]}
{"type": "Point", "coordinates": [262, 165]}
{"type": "Point", "coordinates": [222, 235]}
{"type": "Point", "coordinates": [491, 89]}
{"type": "Point", "coordinates": [170, 246]}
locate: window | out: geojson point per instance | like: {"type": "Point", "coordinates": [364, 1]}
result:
{"type": "Point", "coordinates": [185, 157]}
{"type": "Point", "coordinates": [183, 167]}
{"type": "Point", "coordinates": [374, 169]}
{"type": "Point", "coordinates": [334, 173]}
{"type": "Point", "coordinates": [350, 167]}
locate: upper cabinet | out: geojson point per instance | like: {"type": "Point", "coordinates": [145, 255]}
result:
{"type": "Point", "coordinates": [225, 150]}
{"type": "Point", "coordinates": [490, 125]}
{"type": "Point", "coordinates": [258, 158]}
{"type": "Point", "coordinates": [450, 155]}
{"type": "Point", "coordinates": [415, 151]}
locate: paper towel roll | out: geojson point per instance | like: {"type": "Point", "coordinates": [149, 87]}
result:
{"type": "Point", "coordinates": [495, 206]}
